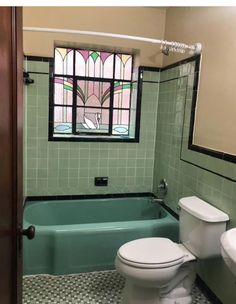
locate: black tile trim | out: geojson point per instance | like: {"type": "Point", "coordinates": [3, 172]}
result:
{"type": "Point", "coordinates": [40, 73]}
{"type": "Point", "coordinates": [170, 66]}
{"type": "Point", "coordinates": [221, 155]}
{"type": "Point", "coordinates": [172, 79]}
{"type": "Point", "coordinates": [50, 102]}
{"type": "Point", "coordinates": [214, 153]}
{"type": "Point", "coordinates": [138, 105]}
{"type": "Point", "coordinates": [87, 196]}
{"type": "Point", "coordinates": [168, 209]}
{"type": "Point", "coordinates": [200, 167]}
{"type": "Point", "coordinates": [38, 58]}
{"type": "Point", "coordinates": [194, 147]}
{"type": "Point", "coordinates": [150, 81]}
{"type": "Point", "coordinates": [150, 69]}
{"type": "Point", "coordinates": [208, 293]}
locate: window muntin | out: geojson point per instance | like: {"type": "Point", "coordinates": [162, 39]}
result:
{"type": "Point", "coordinates": [92, 93]}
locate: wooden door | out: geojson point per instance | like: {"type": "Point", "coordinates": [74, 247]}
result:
{"type": "Point", "coordinates": [11, 177]}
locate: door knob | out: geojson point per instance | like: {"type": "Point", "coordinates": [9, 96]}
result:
{"type": "Point", "coordinates": [29, 232]}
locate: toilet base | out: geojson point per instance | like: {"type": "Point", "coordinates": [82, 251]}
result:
{"type": "Point", "coordinates": [135, 294]}
{"type": "Point", "coordinates": [176, 292]}
{"type": "Point", "coordinates": [185, 300]}
{"type": "Point", "coordinates": [179, 289]}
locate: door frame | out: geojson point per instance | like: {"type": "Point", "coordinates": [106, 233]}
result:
{"type": "Point", "coordinates": [11, 154]}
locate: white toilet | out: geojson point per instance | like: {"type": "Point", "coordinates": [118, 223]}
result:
{"type": "Point", "coordinates": [158, 270]}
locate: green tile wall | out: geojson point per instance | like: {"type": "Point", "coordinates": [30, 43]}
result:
{"type": "Point", "coordinates": [57, 168]}
{"type": "Point", "coordinates": [185, 179]}
{"type": "Point", "coordinates": [67, 168]}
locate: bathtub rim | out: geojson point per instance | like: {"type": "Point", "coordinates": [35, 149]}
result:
{"type": "Point", "coordinates": [169, 214]}
{"type": "Point", "coordinates": [98, 196]}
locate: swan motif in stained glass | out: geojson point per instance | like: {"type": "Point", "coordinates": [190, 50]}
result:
{"type": "Point", "coordinates": [89, 124]}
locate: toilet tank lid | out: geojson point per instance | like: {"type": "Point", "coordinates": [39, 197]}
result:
{"type": "Point", "coordinates": [202, 210]}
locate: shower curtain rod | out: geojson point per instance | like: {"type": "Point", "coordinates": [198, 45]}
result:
{"type": "Point", "coordinates": [165, 45]}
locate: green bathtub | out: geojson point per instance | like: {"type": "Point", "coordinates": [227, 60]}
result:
{"type": "Point", "coordinates": [75, 236]}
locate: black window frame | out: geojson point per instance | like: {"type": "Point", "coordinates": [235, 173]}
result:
{"type": "Point", "coordinates": [89, 136]}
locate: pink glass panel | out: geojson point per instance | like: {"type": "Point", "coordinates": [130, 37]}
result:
{"type": "Point", "coordinates": [81, 91]}
{"type": "Point", "coordinates": [121, 117]}
{"type": "Point", "coordinates": [63, 120]}
{"type": "Point", "coordinates": [122, 95]}
{"type": "Point", "coordinates": [62, 114]}
{"type": "Point", "coordinates": [123, 69]}
{"type": "Point", "coordinates": [107, 71]}
{"type": "Point", "coordinates": [120, 124]}
{"type": "Point", "coordinates": [80, 63]}
{"type": "Point", "coordinates": [93, 93]}
{"type": "Point", "coordinates": [63, 61]}
{"type": "Point", "coordinates": [63, 91]}
{"type": "Point", "coordinates": [94, 64]}
{"type": "Point", "coordinates": [105, 117]}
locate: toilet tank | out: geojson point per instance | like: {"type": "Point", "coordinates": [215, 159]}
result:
{"type": "Point", "coordinates": [201, 226]}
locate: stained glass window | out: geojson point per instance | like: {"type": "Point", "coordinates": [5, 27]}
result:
{"type": "Point", "coordinates": [91, 93]}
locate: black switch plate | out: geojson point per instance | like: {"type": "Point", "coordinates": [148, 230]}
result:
{"type": "Point", "coordinates": [101, 181]}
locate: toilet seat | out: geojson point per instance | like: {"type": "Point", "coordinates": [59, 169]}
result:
{"type": "Point", "coordinates": [151, 253]}
{"type": "Point", "coordinates": [150, 266]}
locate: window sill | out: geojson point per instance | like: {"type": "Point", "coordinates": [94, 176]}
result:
{"type": "Point", "coordinates": [88, 138]}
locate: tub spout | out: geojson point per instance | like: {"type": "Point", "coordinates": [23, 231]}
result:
{"type": "Point", "coordinates": [155, 200]}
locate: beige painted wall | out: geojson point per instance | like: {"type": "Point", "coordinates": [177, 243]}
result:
{"type": "Point", "coordinates": [137, 21]}
{"type": "Point", "coordinates": [215, 28]}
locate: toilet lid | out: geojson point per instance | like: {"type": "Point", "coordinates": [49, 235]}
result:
{"type": "Point", "coordinates": [151, 251]}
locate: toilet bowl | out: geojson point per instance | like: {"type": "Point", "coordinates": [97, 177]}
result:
{"type": "Point", "coordinates": [158, 270]}
{"type": "Point", "coordinates": [154, 271]}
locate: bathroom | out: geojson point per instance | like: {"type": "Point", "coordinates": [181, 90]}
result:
{"type": "Point", "coordinates": [163, 145]}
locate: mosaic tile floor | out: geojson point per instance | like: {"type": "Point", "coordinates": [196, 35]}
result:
{"type": "Point", "coordinates": [102, 287]}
